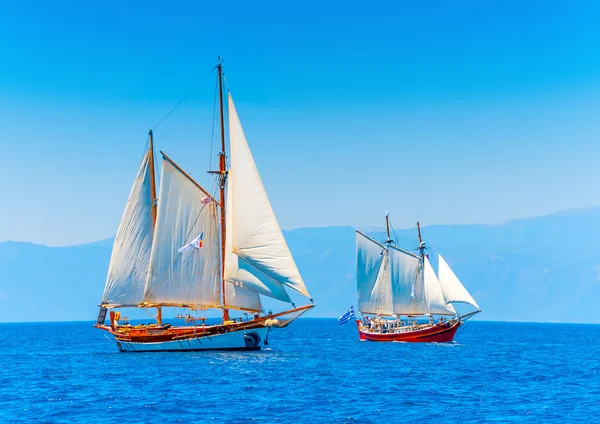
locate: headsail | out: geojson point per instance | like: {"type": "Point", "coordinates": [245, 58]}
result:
{"type": "Point", "coordinates": [436, 304]}
{"type": "Point", "coordinates": [240, 298]}
{"type": "Point", "coordinates": [240, 272]}
{"type": "Point", "coordinates": [189, 278]}
{"type": "Point", "coordinates": [258, 248]}
{"type": "Point", "coordinates": [452, 288]}
{"type": "Point", "coordinates": [405, 270]}
{"type": "Point", "coordinates": [131, 250]}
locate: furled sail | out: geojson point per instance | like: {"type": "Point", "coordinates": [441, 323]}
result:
{"type": "Point", "coordinates": [190, 277]}
{"type": "Point", "coordinates": [370, 278]}
{"type": "Point", "coordinates": [452, 288]}
{"type": "Point", "coordinates": [436, 304]}
{"type": "Point", "coordinates": [131, 250]}
{"type": "Point", "coordinates": [406, 276]}
{"type": "Point", "coordinates": [257, 243]}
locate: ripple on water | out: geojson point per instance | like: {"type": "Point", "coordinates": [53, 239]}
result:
{"type": "Point", "coordinates": [314, 371]}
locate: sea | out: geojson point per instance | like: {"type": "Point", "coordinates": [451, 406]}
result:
{"type": "Point", "coordinates": [314, 371]}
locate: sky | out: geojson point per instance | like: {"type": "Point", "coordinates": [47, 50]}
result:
{"type": "Point", "coordinates": [447, 112]}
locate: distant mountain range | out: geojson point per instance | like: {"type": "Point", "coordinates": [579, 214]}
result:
{"type": "Point", "coordinates": [536, 269]}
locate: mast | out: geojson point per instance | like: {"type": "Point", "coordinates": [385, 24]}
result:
{"type": "Point", "coordinates": [153, 194]}
{"type": "Point", "coordinates": [222, 181]}
{"type": "Point", "coordinates": [422, 245]}
{"type": "Point", "coordinates": [387, 228]}
{"type": "Point", "coordinates": [152, 177]}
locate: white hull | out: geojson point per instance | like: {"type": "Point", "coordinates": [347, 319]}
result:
{"type": "Point", "coordinates": [252, 339]}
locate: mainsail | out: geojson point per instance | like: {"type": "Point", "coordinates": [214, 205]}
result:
{"type": "Point", "coordinates": [257, 258]}
{"type": "Point", "coordinates": [452, 288]}
{"type": "Point", "coordinates": [131, 250]}
{"type": "Point", "coordinates": [370, 257]}
{"type": "Point", "coordinates": [191, 277]}
{"type": "Point", "coordinates": [406, 276]}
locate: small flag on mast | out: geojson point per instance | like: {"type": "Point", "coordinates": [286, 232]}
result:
{"type": "Point", "coordinates": [197, 243]}
{"type": "Point", "coordinates": [349, 315]}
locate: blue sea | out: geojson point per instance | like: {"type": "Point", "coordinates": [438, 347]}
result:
{"type": "Point", "coordinates": [314, 371]}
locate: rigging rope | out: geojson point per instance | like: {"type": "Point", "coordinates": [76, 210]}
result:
{"type": "Point", "coordinates": [184, 99]}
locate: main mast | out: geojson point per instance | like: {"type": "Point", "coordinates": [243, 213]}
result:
{"type": "Point", "coordinates": [387, 228]}
{"type": "Point", "coordinates": [152, 177]}
{"type": "Point", "coordinates": [222, 181]}
{"type": "Point", "coordinates": [422, 245]}
{"type": "Point", "coordinates": [153, 194]}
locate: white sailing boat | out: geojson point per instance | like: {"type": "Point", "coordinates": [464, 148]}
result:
{"type": "Point", "coordinates": [396, 287]}
{"type": "Point", "coordinates": [186, 249]}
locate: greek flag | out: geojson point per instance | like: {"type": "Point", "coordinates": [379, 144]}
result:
{"type": "Point", "coordinates": [347, 316]}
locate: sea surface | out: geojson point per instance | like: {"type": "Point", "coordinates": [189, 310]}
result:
{"type": "Point", "coordinates": [314, 371]}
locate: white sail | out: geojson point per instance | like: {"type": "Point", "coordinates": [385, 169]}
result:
{"type": "Point", "coordinates": [239, 297]}
{"type": "Point", "coordinates": [370, 257]}
{"type": "Point", "coordinates": [436, 304]}
{"type": "Point", "coordinates": [191, 277]}
{"type": "Point", "coordinates": [382, 290]}
{"type": "Point", "coordinates": [406, 282]}
{"type": "Point", "coordinates": [452, 288]}
{"type": "Point", "coordinates": [242, 273]}
{"type": "Point", "coordinates": [131, 249]}
{"type": "Point", "coordinates": [256, 235]}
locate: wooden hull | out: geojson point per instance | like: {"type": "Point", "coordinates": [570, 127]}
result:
{"type": "Point", "coordinates": [437, 333]}
{"type": "Point", "coordinates": [232, 335]}
{"type": "Point", "coordinates": [253, 339]}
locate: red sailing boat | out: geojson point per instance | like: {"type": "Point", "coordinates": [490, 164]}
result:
{"type": "Point", "coordinates": [401, 298]}
{"type": "Point", "coordinates": [188, 250]}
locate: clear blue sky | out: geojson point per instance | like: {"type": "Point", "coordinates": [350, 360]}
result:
{"type": "Point", "coordinates": [443, 111]}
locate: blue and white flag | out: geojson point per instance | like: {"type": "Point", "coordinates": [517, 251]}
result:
{"type": "Point", "coordinates": [349, 315]}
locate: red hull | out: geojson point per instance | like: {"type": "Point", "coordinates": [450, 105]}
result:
{"type": "Point", "coordinates": [438, 333]}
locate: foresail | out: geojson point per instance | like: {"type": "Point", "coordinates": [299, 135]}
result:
{"type": "Point", "coordinates": [242, 274]}
{"type": "Point", "coordinates": [256, 236]}
{"type": "Point", "coordinates": [370, 257]}
{"type": "Point", "coordinates": [436, 304]}
{"type": "Point", "coordinates": [133, 243]}
{"type": "Point", "coordinates": [452, 288]}
{"type": "Point", "coordinates": [406, 276]}
{"type": "Point", "coordinates": [187, 217]}
{"type": "Point", "coordinates": [240, 298]}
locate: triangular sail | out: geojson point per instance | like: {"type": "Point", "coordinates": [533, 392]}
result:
{"type": "Point", "coordinates": [436, 304]}
{"type": "Point", "coordinates": [382, 289]}
{"type": "Point", "coordinates": [452, 288]}
{"type": "Point", "coordinates": [256, 236]}
{"type": "Point", "coordinates": [131, 250]}
{"type": "Point", "coordinates": [240, 298]}
{"type": "Point", "coordinates": [242, 273]}
{"type": "Point", "coordinates": [370, 257]}
{"type": "Point", "coordinates": [191, 277]}
{"type": "Point", "coordinates": [406, 275]}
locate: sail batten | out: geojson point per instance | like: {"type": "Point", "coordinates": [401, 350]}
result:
{"type": "Point", "coordinates": [130, 256]}
{"type": "Point", "coordinates": [253, 232]}
{"type": "Point", "coordinates": [185, 215]}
